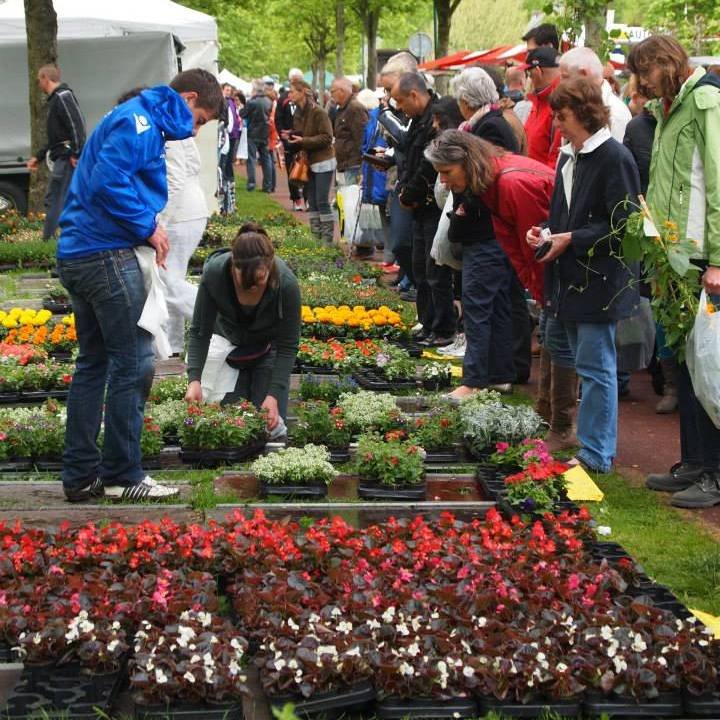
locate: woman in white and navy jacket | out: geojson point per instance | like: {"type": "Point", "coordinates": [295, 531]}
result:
{"type": "Point", "coordinates": [588, 288]}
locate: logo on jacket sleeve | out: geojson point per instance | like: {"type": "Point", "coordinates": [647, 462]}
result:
{"type": "Point", "coordinates": [141, 123]}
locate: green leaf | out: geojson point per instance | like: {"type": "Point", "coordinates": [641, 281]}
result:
{"type": "Point", "coordinates": [615, 33]}
{"type": "Point", "coordinates": [679, 259]}
{"type": "Point", "coordinates": [632, 248]}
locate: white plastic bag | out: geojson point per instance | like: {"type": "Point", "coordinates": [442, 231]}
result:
{"type": "Point", "coordinates": [441, 251]}
{"type": "Point", "coordinates": [350, 200]}
{"type": "Point", "coordinates": [635, 339]}
{"type": "Point", "coordinates": [703, 358]}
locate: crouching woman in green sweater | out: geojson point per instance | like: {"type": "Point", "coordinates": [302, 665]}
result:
{"type": "Point", "coordinates": [246, 321]}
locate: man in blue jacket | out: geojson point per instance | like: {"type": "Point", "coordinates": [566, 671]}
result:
{"type": "Point", "coordinates": [117, 191]}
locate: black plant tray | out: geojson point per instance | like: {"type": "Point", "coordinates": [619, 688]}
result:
{"type": "Point", "coordinates": [352, 699]}
{"type": "Point", "coordinates": [48, 464]}
{"type": "Point", "coordinates": [57, 308]}
{"type": "Point", "coordinates": [318, 370]}
{"type": "Point", "coordinates": [535, 709]}
{"type": "Point", "coordinates": [189, 711]}
{"type": "Point", "coordinates": [58, 394]}
{"type": "Point", "coordinates": [666, 705]}
{"type": "Point", "coordinates": [60, 355]}
{"type": "Point", "coordinates": [317, 490]}
{"type": "Point", "coordinates": [369, 380]}
{"type": "Point", "coordinates": [448, 455]}
{"type": "Point", "coordinates": [706, 705]}
{"type": "Point", "coordinates": [16, 465]}
{"type": "Point", "coordinates": [216, 458]}
{"type": "Point", "coordinates": [33, 396]}
{"type": "Point", "coordinates": [9, 397]}
{"type": "Point", "coordinates": [171, 440]}
{"type": "Point", "coordinates": [339, 455]}
{"type": "Point", "coordinates": [413, 349]}
{"type": "Point", "coordinates": [376, 491]}
{"type": "Point", "coordinates": [152, 462]}
{"type": "Point", "coordinates": [426, 709]}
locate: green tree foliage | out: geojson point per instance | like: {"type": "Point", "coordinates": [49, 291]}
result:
{"type": "Point", "coordinates": [695, 23]}
{"type": "Point", "coordinates": [483, 24]}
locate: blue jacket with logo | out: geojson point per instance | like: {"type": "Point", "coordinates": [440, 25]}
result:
{"type": "Point", "coordinates": [120, 183]}
{"type": "Point", "coordinates": [374, 180]}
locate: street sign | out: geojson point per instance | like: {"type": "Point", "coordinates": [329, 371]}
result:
{"type": "Point", "coordinates": [420, 45]}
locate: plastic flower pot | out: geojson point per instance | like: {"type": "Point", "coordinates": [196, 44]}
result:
{"type": "Point", "coordinates": [57, 308]}
{"type": "Point", "coordinates": [705, 705]}
{"type": "Point", "coordinates": [180, 710]}
{"type": "Point", "coordinates": [355, 698]}
{"type": "Point", "coordinates": [370, 490]}
{"type": "Point", "coordinates": [226, 456]}
{"type": "Point", "coordinates": [48, 463]}
{"type": "Point", "coordinates": [9, 397]}
{"type": "Point", "coordinates": [667, 704]}
{"type": "Point", "coordinates": [533, 709]}
{"type": "Point", "coordinates": [443, 455]}
{"type": "Point", "coordinates": [426, 708]}
{"type": "Point", "coordinates": [152, 462]}
{"type": "Point", "coordinates": [339, 454]}
{"type": "Point", "coordinates": [34, 395]}
{"type": "Point", "coordinates": [369, 380]}
{"type": "Point", "coordinates": [16, 464]}
{"type": "Point", "coordinates": [292, 491]}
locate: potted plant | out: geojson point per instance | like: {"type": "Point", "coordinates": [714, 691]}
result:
{"type": "Point", "coordinates": [295, 472]}
{"type": "Point", "coordinates": [389, 469]}
{"type": "Point", "coordinates": [436, 375]}
{"type": "Point", "coordinates": [485, 421]}
{"type": "Point", "coordinates": [212, 435]}
{"type": "Point", "coordinates": [366, 411]}
{"type": "Point", "coordinates": [194, 667]}
{"type": "Point", "coordinates": [56, 299]}
{"type": "Point", "coordinates": [392, 368]}
{"type": "Point", "coordinates": [537, 487]}
{"type": "Point", "coordinates": [510, 458]}
{"type": "Point", "coordinates": [169, 415]}
{"type": "Point", "coordinates": [329, 390]}
{"type": "Point", "coordinates": [151, 443]}
{"type": "Point", "coordinates": [318, 423]}
{"type": "Point", "coordinates": [438, 433]}
{"type": "Point", "coordinates": [168, 388]}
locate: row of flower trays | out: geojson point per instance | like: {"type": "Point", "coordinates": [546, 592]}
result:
{"type": "Point", "coordinates": [463, 617]}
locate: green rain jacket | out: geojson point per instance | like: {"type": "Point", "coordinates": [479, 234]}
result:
{"type": "Point", "coordinates": [685, 166]}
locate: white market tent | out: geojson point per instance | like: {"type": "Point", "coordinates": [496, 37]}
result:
{"type": "Point", "coordinates": [87, 19]}
{"type": "Point", "coordinates": [225, 76]}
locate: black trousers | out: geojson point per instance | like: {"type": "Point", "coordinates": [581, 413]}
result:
{"type": "Point", "coordinates": [699, 438]}
{"type": "Point", "coordinates": [522, 331]}
{"type": "Point", "coordinates": [433, 282]}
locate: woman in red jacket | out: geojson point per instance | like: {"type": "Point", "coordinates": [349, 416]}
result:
{"type": "Point", "coordinates": [515, 191]}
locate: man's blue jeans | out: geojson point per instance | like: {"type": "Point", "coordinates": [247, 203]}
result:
{"type": "Point", "coordinates": [596, 364]}
{"type": "Point", "coordinates": [261, 147]}
{"type": "Point", "coordinates": [114, 368]}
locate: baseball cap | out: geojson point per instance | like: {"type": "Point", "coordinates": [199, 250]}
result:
{"type": "Point", "coordinates": [542, 57]}
{"type": "Point", "coordinates": [268, 80]}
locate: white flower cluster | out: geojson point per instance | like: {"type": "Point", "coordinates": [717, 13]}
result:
{"type": "Point", "coordinates": [487, 423]}
{"type": "Point", "coordinates": [295, 465]}
{"type": "Point", "coordinates": [365, 408]}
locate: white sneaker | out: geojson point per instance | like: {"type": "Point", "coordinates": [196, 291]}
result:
{"type": "Point", "coordinates": [457, 349]}
{"type": "Point", "coordinates": [459, 338]}
{"type": "Point", "coordinates": [146, 489]}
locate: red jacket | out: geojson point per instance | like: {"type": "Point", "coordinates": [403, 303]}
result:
{"type": "Point", "coordinates": [543, 139]}
{"type": "Point", "coordinates": [519, 198]}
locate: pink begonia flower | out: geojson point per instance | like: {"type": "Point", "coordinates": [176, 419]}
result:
{"type": "Point", "coordinates": [574, 581]}
{"type": "Point", "coordinates": [502, 447]}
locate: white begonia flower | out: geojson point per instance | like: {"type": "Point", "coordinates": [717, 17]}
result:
{"type": "Point", "coordinates": [205, 618]}
{"type": "Point", "coordinates": [435, 616]}
{"type": "Point", "coordinates": [561, 667]}
{"type": "Point", "coordinates": [292, 624]}
{"type": "Point", "coordinates": [185, 635]}
{"type": "Point", "coordinates": [185, 616]}
{"type": "Point", "coordinates": [612, 648]}
{"type": "Point", "coordinates": [233, 668]}
{"type": "Point", "coordinates": [481, 622]}
{"type": "Point", "coordinates": [353, 651]}
{"type": "Point", "coordinates": [638, 644]}
{"type": "Point", "coordinates": [314, 617]}
{"type": "Point", "coordinates": [208, 674]}
{"type": "Point", "coordinates": [327, 650]}
{"type": "Point", "coordinates": [406, 669]}
{"type": "Point", "coordinates": [160, 677]}
{"type": "Point", "coordinates": [620, 665]}
{"type": "Point", "coordinates": [149, 665]}
{"type": "Point", "coordinates": [116, 625]}
{"type": "Point", "coordinates": [373, 624]}
{"type": "Point", "coordinates": [336, 612]}
{"type": "Point", "coordinates": [389, 614]}
{"type": "Point", "coordinates": [208, 660]}
{"type": "Point", "coordinates": [280, 664]}
{"type": "Point", "coordinates": [344, 627]}
{"type": "Point", "coordinates": [37, 638]}
{"type": "Point", "coordinates": [443, 670]}
{"type": "Point", "coordinates": [662, 661]}
{"type": "Point", "coordinates": [112, 645]}
{"type": "Point", "coordinates": [402, 628]}
{"type": "Point", "coordinates": [606, 632]}
{"type": "Point", "coordinates": [416, 623]}
{"type": "Point", "coordinates": [195, 659]}
{"type": "Point", "coordinates": [189, 677]}
{"type": "Point", "coordinates": [161, 641]}
{"type": "Point", "coordinates": [468, 671]}
{"type": "Point", "coordinates": [298, 676]}
{"type": "Point", "coordinates": [293, 664]}
{"type": "Point", "coordinates": [413, 650]}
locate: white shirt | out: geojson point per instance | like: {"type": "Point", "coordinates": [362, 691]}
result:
{"type": "Point", "coordinates": [186, 200]}
{"type": "Point", "coordinates": [568, 169]}
{"type": "Point", "coordinates": [619, 114]}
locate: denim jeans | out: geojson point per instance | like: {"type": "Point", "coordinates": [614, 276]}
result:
{"type": "Point", "coordinates": [260, 147]}
{"type": "Point", "coordinates": [435, 307]}
{"type": "Point", "coordinates": [401, 235]}
{"type": "Point", "coordinates": [487, 318]}
{"type": "Point", "coordinates": [555, 339]}
{"type": "Point", "coordinates": [253, 384]}
{"type": "Point", "coordinates": [597, 420]}
{"type": "Point", "coordinates": [114, 367]}
{"type": "Point", "coordinates": [58, 184]}
{"type": "Point", "coordinates": [317, 192]}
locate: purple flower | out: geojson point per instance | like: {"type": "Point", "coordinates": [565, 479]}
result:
{"type": "Point", "coordinates": [382, 359]}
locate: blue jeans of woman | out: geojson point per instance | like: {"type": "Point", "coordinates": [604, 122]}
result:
{"type": "Point", "coordinates": [317, 193]}
{"type": "Point", "coordinates": [401, 235]}
{"type": "Point", "coordinates": [114, 368]}
{"type": "Point", "coordinates": [593, 345]}
{"type": "Point", "coordinates": [487, 315]}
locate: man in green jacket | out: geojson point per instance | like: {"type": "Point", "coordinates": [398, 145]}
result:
{"type": "Point", "coordinates": [685, 188]}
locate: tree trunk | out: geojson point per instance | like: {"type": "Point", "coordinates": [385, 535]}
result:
{"type": "Point", "coordinates": [372, 20]}
{"type": "Point", "coordinates": [340, 38]}
{"type": "Point", "coordinates": [594, 25]}
{"type": "Point", "coordinates": [41, 28]}
{"type": "Point", "coordinates": [444, 16]}
{"type": "Point", "coordinates": [321, 79]}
